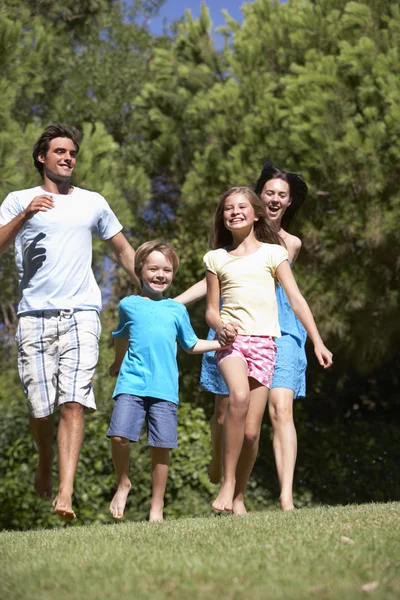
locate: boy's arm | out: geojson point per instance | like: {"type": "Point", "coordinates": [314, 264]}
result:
{"type": "Point", "coordinates": [121, 346]}
{"type": "Point", "coordinates": [303, 312]}
{"type": "Point", "coordinates": [194, 293]}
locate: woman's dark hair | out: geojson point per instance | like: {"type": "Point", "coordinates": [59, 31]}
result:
{"type": "Point", "coordinates": [297, 190]}
{"type": "Point", "coordinates": [54, 131]}
{"type": "Point", "coordinates": [263, 228]}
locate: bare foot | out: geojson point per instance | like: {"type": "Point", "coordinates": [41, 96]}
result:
{"type": "Point", "coordinates": [238, 507]}
{"type": "Point", "coordinates": [62, 505]}
{"type": "Point", "coordinates": [224, 499]}
{"type": "Point", "coordinates": [286, 504]}
{"type": "Point", "coordinates": [118, 502]}
{"type": "Point", "coordinates": [44, 483]}
{"type": "Point", "coordinates": [156, 513]}
{"type": "Point", "coordinates": [214, 472]}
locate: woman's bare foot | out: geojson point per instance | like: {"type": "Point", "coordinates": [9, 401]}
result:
{"type": "Point", "coordinates": [44, 482]}
{"type": "Point", "coordinates": [62, 505]}
{"type": "Point", "coordinates": [224, 499]}
{"type": "Point", "coordinates": [214, 472]}
{"type": "Point", "coordinates": [156, 512]}
{"type": "Point", "coordinates": [118, 503]}
{"type": "Point", "coordinates": [238, 507]}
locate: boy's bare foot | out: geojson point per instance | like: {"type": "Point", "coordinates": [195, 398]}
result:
{"type": "Point", "coordinates": [44, 483]}
{"type": "Point", "coordinates": [224, 499]}
{"type": "Point", "coordinates": [214, 472]}
{"type": "Point", "coordinates": [286, 503]}
{"type": "Point", "coordinates": [238, 507]}
{"type": "Point", "coordinates": [156, 513]}
{"type": "Point", "coordinates": [117, 506]}
{"type": "Point", "coordinates": [62, 505]}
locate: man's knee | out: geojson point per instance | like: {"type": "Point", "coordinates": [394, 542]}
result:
{"type": "Point", "coordinates": [72, 410]}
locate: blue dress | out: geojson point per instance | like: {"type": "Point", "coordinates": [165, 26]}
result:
{"type": "Point", "coordinates": [291, 361]}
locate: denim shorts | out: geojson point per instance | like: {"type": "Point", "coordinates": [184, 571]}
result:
{"type": "Point", "coordinates": [161, 416]}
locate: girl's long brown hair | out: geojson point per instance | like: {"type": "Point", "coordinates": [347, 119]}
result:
{"type": "Point", "coordinates": [263, 229]}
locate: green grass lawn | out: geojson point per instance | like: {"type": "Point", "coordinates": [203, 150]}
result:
{"type": "Point", "coordinates": [324, 552]}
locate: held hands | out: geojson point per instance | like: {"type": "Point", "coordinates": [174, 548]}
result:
{"type": "Point", "coordinates": [227, 335]}
{"type": "Point", "coordinates": [41, 203]}
{"type": "Point", "coordinates": [323, 355]}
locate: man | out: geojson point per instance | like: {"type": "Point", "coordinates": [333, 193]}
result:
{"type": "Point", "coordinates": [59, 327]}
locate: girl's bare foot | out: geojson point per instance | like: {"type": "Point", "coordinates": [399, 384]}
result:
{"type": "Point", "coordinates": [214, 472]}
{"type": "Point", "coordinates": [286, 503]}
{"type": "Point", "coordinates": [224, 499]}
{"type": "Point", "coordinates": [238, 507]}
{"type": "Point", "coordinates": [118, 503]}
{"type": "Point", "coordinates": [62, 505]}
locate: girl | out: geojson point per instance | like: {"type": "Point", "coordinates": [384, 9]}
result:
{"type": "Point", "coordinates": [145, 361]}
{"type": "Point", "coordinates": [283, 194]}
{"type": "Point", "coordinates": [242, 268]}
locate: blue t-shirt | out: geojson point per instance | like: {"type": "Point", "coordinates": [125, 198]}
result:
{"type": "Point", "coordinates": [53, 250]}
{"type": "Point", "coordinates": [149, 367]}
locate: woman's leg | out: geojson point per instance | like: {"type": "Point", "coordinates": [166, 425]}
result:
{"type": "Point", "coordinates": [216, 428]}
{"type": "Point", "coordinates": [248, 455]}
{"type": "Point", "coordinates": [234, 371]}
{"type": "Point", "coordinates": [159, 476]}
{"type": "Point", "coordinates": [120, 455]}
{"type": "Point", "coordinates": [284, 441]}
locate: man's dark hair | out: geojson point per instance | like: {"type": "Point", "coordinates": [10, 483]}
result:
{"type": "Point", "coordinates": [54, 131]}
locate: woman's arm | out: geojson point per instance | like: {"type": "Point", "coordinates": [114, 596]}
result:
{"type": "Point", "coordinates": [303, 312]}
{"type": "Point", "coordinates": [194, 293]}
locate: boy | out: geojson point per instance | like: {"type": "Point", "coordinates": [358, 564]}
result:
{"type": "Point", "coordinates": [145, 361]}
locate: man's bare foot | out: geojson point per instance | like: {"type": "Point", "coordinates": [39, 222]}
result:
{"type": "Point", "coordinates": [286, 503]}
{"type": "Point", "coordinates": [118, 503]}
{"type": "Point", "coordinates": [224, 499]}
{"type": "Point", "coordinates": [214, 472]}
{"type": "Point", "coordinates": [62, 505]}
{"type": "Point", "coordinates": [238, 507]}
{"type": "Point", "coordinates": [156, 513]}
{"type": "Point", "coordinates": [44, 483]}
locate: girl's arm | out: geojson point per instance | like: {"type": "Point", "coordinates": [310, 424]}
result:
{"type": "Point", "coordinates": [213, 303]}
{"type": "Point", "coordinates": [303, 312]}
{"type": "Point", "coordinates": [206, 346]}
{"type": "Point", "coordinates": [193, 294]}
{"type": "Point", "coordinates": [121, 346]}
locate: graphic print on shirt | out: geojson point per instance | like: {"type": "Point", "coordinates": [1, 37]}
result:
{"type": "Point", "coordinates": [34, 257]}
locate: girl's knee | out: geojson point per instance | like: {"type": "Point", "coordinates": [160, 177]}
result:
{"type": "Point", "coordinates": [252, 435]}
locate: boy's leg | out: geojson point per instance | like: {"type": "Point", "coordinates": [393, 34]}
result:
{"type": "Point", "coordinates": [121, 457]}
{"type": "Point", "coordinates": [159, 476]}
{"type": "Point", "coordinates": [280, 406]}
{"type": "Point", "coordinates": [216, 428]}
{"type": "Point", "coordinates": [234, 371]}
{"type": "Point", "coordinates": [248, 455]}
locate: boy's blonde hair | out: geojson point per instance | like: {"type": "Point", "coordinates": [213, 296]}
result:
{"type": "Point", "coordinates": [159, 246]}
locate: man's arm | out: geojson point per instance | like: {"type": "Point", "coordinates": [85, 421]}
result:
{"type": "Point", "coordinates": [9, 232]}
{"type": "Point", "coordinates": [125, 255]}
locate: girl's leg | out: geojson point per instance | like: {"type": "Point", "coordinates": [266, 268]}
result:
{"type": "Point", "coordinates": [216, 427]}
{"type": "Point", "coordinates": [284, 441]}
{"type": "Point", "coordinates": [248, 455]}
{"type": "Point", "coordinates": [120, 455]}
{"type": "Point", "coordinates": [234, 371]}
{"type": "Point", "coordinates": [159, 476]}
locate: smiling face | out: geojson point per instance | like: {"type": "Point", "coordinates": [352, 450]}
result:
{"type": "Point", "coordinates": [238, 212]}
{"type": "Point", "coordinates": [276, 198]}
{"type": "Point", "coordinates": [60, 159]}
{"type": "Point", "coordinates": [157, 274]}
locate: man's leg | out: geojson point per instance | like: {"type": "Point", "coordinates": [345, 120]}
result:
{"type": "Point", "coordinates": [159, 476]}
{"type": "Point", "coordinates": [216, 428]}
{"type": "Point", "coordinates": [43, 430]}
{"type": "Point", "coordinates": [69, 441]}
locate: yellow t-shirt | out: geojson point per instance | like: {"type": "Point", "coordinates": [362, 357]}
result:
{"type": "Point", "coordinates": [248, 288]}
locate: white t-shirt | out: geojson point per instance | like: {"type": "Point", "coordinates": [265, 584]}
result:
{"type": "Point", "coordinates": [53, 250]}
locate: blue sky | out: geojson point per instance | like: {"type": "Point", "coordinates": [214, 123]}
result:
{"type": "Point", "coordinates": [174, 9]}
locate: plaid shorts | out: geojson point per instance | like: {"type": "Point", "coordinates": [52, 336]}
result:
{"type": "Point", "coordinates": [57, 357]}
{"type": "Point", "coordinates": [258, 352]}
